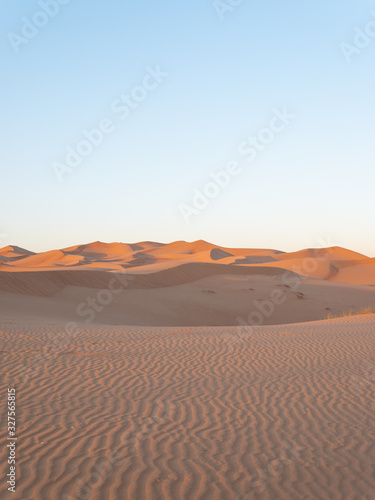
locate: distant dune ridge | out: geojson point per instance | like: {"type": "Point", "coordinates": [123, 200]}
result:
{"type": "Point", "coordinates": [184, 283]}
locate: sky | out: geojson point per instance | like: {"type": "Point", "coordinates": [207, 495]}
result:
{"type": "Point", "coordinates": [243, 123]}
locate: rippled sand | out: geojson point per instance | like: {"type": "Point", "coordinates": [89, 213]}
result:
{"type": "Point", "coordinates": [276, 412]}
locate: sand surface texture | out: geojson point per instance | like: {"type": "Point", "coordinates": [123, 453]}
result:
{"type": "Point", "coordinates": [283, 412]}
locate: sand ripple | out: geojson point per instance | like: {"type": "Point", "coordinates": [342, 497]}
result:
{"type": "Point", "coordinates": [284, 412]}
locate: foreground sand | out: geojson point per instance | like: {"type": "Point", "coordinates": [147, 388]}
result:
{"type": "Point", "coordinates": [279, 412]}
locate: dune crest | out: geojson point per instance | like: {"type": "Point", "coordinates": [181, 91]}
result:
{"type": "Point", "coordinates": [331, 264]}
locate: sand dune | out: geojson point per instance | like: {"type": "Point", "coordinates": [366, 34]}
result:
{"type": "Point", "coordinates": [324, 263]}
{"type": "Point", "coordinates": [102, 251]}
{"type": "Point", "coordinates": [12, 253]}
{"type": "Point", "coordinates": [184, 283]}
{"type": "Point", "coordinates": [193, 413]}
{"type": "Point", "coordinates": [331, 253]}
{"type": "Point", "coordinates": [189, 294]}
{"type": "Point", "coordinates": [177, 275]}
{"type": "Point", "coordinates": [362, 272]}
{"type": "Point", "coordinates": [48, 259]}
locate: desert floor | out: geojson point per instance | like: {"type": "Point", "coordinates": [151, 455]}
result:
{"type": "Point", "coordinates": [275, 412]}
{"type": "Point", "coordinates": [188, 371]}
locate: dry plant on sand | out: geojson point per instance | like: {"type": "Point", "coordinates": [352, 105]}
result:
{"type": "Point", "coordinates": [352, 312]}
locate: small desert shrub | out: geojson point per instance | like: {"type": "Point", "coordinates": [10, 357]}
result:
{"type": "Point", "coordinates": [352, 312]}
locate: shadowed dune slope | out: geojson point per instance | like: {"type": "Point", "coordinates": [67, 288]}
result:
{"type": "Point", "coordinates": [12, 252]}
{"type": "Point", "coordinates": [49, 282]}
{"type": "Point", "coordinates": [190, 294]}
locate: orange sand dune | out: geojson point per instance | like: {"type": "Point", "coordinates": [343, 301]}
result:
{"type": "Point", "coordinates": [10, 253]}
{"type": "Point", "coordinates": [184, 283]}
{"type": "Point", "coordinates": [332, 253]}
{"type": "Point", "coordinates": [102, 251]}
{"type": "Point", "coordinates": [362, 272]}
{"type": "Point", "coordinates": [146, 257]}
{"type": "Point", "coordinates": [328, 269]}
{"type": "Point", "coordinates": [48, 259]}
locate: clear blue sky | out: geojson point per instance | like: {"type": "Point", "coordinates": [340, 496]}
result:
{"type": "Point", "coordinates": [314, 180]}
